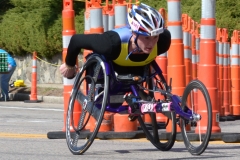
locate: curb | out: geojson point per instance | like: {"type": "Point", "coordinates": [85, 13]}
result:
{"type": "Point", "coordinates": [225, 137]}
{"type": "Point", "coordinates": [40, 98]}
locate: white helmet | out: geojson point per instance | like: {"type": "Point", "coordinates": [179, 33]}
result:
{"type": "Point", "coordinates": [145, 20]}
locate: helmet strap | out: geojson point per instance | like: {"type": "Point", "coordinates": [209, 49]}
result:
{"type": "Point", "coordinates": [136, 49]}
{"type": "Point", "coordinates": [135, 42]}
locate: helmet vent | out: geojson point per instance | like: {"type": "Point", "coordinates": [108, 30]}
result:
{"type": "Point", "coordinates": [144, 8]}
{"type": "Point", "coordinates": [130, 14]}
{"type": "Point", "coordinates": [155, 22]}
{"type": "Point", "coordinates": [161, 24]}
{"type": "Point", "coordinates": [147, 25]}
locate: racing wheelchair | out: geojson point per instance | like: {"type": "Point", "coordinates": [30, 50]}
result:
{"type": "Point", "coordinates": [97, 81]}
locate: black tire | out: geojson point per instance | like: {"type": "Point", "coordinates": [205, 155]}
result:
{"type": "Point", "coordinates": [154, 133]}
{"type": "Point", "coordinates": [93, 76]}
{"type": "Point", "coordinates": [196, 143]}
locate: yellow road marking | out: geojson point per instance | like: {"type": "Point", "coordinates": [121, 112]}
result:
{"type": "Point", "coordinates": [145, 140]}
{"type": "Point", "coordinates": [221, 142]}
{"type": "Point", "coordinates": [20, 135]}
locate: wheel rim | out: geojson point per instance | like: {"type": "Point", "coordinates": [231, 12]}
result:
{"type": "Point", "coordinates": [196, 134]}
{"type": "Point", "coordinates": [77, 144]}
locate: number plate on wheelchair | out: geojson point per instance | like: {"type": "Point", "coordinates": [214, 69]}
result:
{"type": "Point", "coordinates": [148, 107]}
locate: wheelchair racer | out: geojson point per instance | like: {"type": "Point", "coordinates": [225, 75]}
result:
{"type": "Point", "coordinates": [130, 48]}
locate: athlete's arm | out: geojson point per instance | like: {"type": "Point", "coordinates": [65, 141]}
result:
{"type": "Point", "coordinates": [164, 42]}
{"type": "Point", "coordinates": [107, 44]}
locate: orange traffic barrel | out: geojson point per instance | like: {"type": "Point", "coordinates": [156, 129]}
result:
{"type": "Point", "coordinates": [162, 63]}
{"type": "Point", "coordinates": [225, 78]}
{"type": "Point", "coordinates": [235, 77]}
{"type": "Point", "coordinates": [194, 52]}
{"type": "Point", "coordinates": [220, 71]}
{"type": "Point", "coordinates": [187, 47]}
{"type": "Point", "coordinates": [106, 124]}
{"type": "Point", "coordinates": [111, 19]}
{"type": "Point", "coordinates": [120, 10]}
{"type": "Point", "coordinates": [96, 19]}
{"type": "Point", "coordinates": [176, 67]}
{"type": "Point", "coordinates": [87, 18]}
{"type": "Point", "coordinates": [68, 31]}
{"type": "Point", "coordinates": [193, 35]}
{"type": "Point", "coordinates": [218, 64]}
{"type": "Point", "coordinates": [207, 65]}
{"type": "Point", "coordinates": [122, 124]}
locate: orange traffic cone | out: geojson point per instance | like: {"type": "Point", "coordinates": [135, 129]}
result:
{"type": "Point", "coordinates": [33, 96]}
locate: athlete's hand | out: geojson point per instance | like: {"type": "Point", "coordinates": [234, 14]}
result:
{"type": "Point", "coordinates": [67, 71]}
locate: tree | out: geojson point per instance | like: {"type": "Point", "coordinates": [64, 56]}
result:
{"type": "Point", "coordinates": [33, 26]}
{"type": "Point", "coordinates": [27, 26]}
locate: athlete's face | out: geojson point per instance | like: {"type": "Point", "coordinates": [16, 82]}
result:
{"type": "Point", "coordinates": [147, 43]}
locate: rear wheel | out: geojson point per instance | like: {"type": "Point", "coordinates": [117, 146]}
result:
{"type": "Point", "coordinates": [154, 135]}
{"type": "Point", "coordinates": [90, 89]}
{"type": "Point", "coordinates": [161, 135]}
{"type": "Point", "coordinates": [196, 101]}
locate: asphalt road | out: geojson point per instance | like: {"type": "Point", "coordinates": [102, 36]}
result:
{"type": "Point", "coordinates": [24, 128]}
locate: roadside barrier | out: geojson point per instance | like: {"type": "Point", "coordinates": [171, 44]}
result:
{"type": "Point", "coordinates": [207, 65]}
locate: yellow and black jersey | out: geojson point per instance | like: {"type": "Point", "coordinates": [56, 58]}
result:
{"type": "Point", "coordinates": [125, 36]}
{"type": "Point", "coordinates": [114, 46]}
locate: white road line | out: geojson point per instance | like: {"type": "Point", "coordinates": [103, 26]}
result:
{"type": "Point", "coordinates": [28, 121]}
{"type": "Point", "coordinates": [36, 121]}
{"type": "Point", "coordinates": [42, 109]}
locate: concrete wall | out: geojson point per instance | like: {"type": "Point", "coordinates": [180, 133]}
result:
{"type": "Point", "coordinates": [47, 70]}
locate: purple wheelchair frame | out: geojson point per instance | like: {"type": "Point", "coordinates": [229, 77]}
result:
{"type": "Point", "coordinates": [174, 101]}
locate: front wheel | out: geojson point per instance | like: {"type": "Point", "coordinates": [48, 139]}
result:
{"type": "Point", "coordinates": [90, 90]}
{"type": "Point", "coordinates": [196, 101]}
